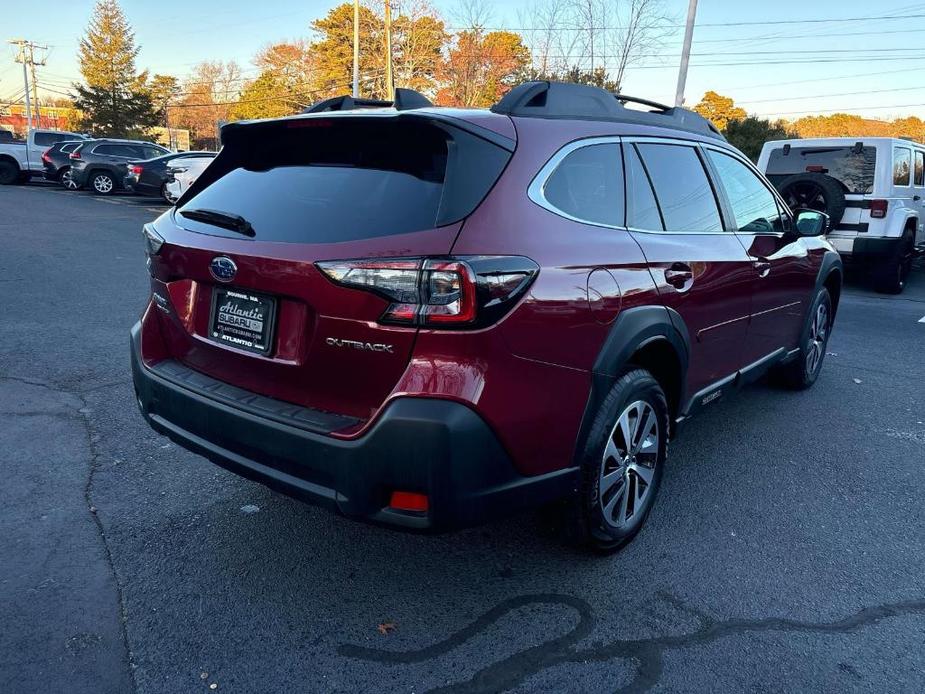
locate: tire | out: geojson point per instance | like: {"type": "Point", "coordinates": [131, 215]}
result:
{"type": "Point", "coordinates": [9, 172]}
{"type": "Point", "coordinates": [64, 178]}
{"type": "Point", "coordinates": [621, 466]}
{"type": "Point", "coordinates": [814, 191]}
{"type": "Point", "coordinates": [890, 277]}
{"type": "Point", "coordinates": [802, 372]}
{"type": "Point", "coordinates": [101, 183]}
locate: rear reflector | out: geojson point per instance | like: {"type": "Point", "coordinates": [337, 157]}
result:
{"type": "Point", "coordinates": [878, 208]}
{"type": "Point", "coordinates": [409, 501]}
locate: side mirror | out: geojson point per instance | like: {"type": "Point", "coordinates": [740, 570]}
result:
{"type": "Point", "coordinates": [811, 223]}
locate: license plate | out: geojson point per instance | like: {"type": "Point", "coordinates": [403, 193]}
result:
{"type": "Point", "coordinates": [242, 319]}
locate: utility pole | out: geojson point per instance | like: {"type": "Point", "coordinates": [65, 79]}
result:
{"type": "Point", "coordinates": [28, 64]}
{"type": "Point", "coordinates": [356, 49]}
{"type": "Point", "coordinates": [686, 52]}
{"type": "Point", "coordinates": [389, 85]}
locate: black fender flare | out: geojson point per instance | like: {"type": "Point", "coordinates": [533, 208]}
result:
{"type": "Point", "coordinates": [633, 329]}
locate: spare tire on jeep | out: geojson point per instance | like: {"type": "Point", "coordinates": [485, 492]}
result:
{"type": "Point", "coordinates": [814, 191]}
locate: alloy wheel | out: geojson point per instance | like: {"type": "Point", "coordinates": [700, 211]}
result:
{"type": "Point", "coordinates": [805, 195]}
{"type": "Point", "coordinates": [628, 467]}
{"type": "Point", "coordinates": [102, 183]}
{"type": "Point", "coordinates": [67, 180]}
{"type": "Point", "coordinates": [818, 333]}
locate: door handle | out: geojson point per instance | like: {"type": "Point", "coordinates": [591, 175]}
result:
{"type": "Point", "coordinates": [762, 266]}
{"type": "Point", "coordinates": [678, 275]}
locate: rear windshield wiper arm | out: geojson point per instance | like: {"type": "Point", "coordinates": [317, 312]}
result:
{"type": "Point", "coordinates": [225, 220]}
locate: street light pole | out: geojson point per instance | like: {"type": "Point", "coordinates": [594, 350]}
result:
{"type": "Point", "coordinates": [356, 49]}
{"type": "Point", "coordinates": [686, 53]}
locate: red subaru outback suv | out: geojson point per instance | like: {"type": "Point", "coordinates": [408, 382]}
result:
{"type": "Point", "coordinates": [426, 317]}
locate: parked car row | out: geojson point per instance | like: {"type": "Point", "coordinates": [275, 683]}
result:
{"type": "Point", "coordinates": [102, 166]}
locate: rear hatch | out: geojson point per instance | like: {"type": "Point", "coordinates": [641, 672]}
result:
{"type": "Point", "coordinates": [253, 297]}
{"type": "Point", "coordinates": [852, 166]}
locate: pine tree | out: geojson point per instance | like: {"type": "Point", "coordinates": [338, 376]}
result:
{"type": "Point", "coordinates": [113, 101]}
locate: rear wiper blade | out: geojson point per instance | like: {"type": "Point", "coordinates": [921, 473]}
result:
{"type": "Point", "coordinates": [225, 220]}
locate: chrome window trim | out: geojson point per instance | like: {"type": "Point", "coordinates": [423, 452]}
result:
{"type": "Point", "coordinates": [536, 189]}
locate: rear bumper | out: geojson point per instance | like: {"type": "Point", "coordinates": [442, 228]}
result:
{"type": "Point", "coordinates": [866, 249]}
{"type": "Point", "coordinates": [425, 445]}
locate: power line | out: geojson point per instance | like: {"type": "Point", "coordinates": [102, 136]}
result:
{"type": "Point", "coordinates": [769, 22]}
{"type": "Point", "coordinates": [825, 96]}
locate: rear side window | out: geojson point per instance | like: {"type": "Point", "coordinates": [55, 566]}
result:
{"type": "Point", "coordinates": [852, 166]}
{"type": "Point", "coordinates": [919, 168]}
{"type": "Point", "coordinates": [682, 188]}
{"type": "Point", "coordinates": [46, 139]}
{"type": "Point", "coordinates": [902, 166]}
{"type": "Point", "coordinates": [588, 185]}
{"type": "Point", "coordinates": [69, 147]}
{"type": "Point", "coordinates": [343, 179]}
{"type": "Point", "coordinates": [753, 205]}
{"type": "Point", "coordinates": [641, 208]}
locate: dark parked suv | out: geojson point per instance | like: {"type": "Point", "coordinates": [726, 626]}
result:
{"type": "Point", "coordinates": [58, 163]}
{"type": "Point", "coordinates": [99, 165]}
{"type": "Point", "coordinates": [151, 176]}
{"type": "Point", "coordinates": [425, 317]}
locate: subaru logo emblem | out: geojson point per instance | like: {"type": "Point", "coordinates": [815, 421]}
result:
{"type": "Point", "coordinates": [223, 268]}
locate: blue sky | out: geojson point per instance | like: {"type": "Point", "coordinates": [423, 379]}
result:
{"type": "Point", "coordinates": [870, 67]}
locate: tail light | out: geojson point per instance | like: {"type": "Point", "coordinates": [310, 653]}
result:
{"type": "Point", "coordinates": [461, 293]}
{"type": "Point", "coordinates": [75, 154]}
{"type": "Point", "coordinates": [45, 157]}
{"type": "Point", "coordinates": [136, 170]}
{"type": "Point", "coordinates": [878, 208]}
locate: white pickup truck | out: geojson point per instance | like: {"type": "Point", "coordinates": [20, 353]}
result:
{"type": "Point", "coordinates": [22, 159]}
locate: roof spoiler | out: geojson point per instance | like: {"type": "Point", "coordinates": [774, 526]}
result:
{"type": "Point", "coordinates": [405, 100]}
{"type": "Point", "coordinates": [544, 99]}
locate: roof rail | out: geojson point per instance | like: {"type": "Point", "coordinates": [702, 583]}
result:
{"type": "Point", "coordinates": [568, 100]}
{"type": "Point", "coordinates": [405, 99]}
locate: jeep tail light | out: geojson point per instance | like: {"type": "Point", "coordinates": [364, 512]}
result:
{"type": "Point", "coordinates": [136, 170]}
{"type": "Point", "coordinates": [878, 208]}
{"type": "Point", "coordinates": [74, 155]}
{"type": "Point", "coordinates": [465, 292]}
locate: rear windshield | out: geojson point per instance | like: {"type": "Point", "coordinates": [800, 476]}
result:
{"type": "Point", "coordinates": [343, 179]}
{"type": "Point", "coordinates": [852, 166]}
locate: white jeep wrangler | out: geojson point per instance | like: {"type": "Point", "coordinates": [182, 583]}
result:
{"type": "Point", "coordinates": [873, 188]}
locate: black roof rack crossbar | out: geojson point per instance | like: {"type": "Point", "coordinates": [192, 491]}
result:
{"type": "Point", "coordinates": [626, 98]}
{"type": "Point", "coordinates": [542, 99]}
{"type": "Point", "coordinates": [405, 100]}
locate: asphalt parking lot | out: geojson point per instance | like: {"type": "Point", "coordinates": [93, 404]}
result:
{"type": "Point", "coordinates": [786, 553]}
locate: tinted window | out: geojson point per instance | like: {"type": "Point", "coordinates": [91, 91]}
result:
{"type": "Point", "coordinates": [588, 184]}
{"type": "Point", "coordinates": [69, 147]}
{"type": "Point", "coordinates": [902, 166]}
{"type": "Point", "coordinates": [853, 167]}
{"type": "Point", "coordinates": [50, 138]}
{"type": "Point", "coordinates": [919, 168]}
{"type": "Point", "coordinates": [323, 181]}
{"type": "Point", "coordinates": [114, 150]}
{"type": "Point", "coordinates": [149, 152]}
{"type": "Point", "coordinates": [754, 206]}
{"type": "Point", "coordinates": [684, 194]}
{"type": "Point", "coordinates": [641, 208]}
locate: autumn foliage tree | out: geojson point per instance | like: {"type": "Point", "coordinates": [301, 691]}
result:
{"type": "Point", "coordinates": [209, 94]}
{"type": "Point", "coordinates": [482, 67]}
{"type": "Point", "coordinates": [719, 109]}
